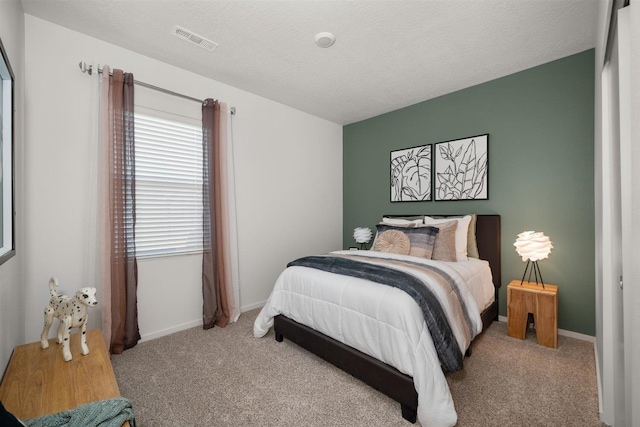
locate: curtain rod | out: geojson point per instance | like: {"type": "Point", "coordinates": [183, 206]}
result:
{"type": "Point", "coordinates": [85, 68]}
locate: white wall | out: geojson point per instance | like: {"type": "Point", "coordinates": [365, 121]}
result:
{"type": "Point", "coordinates": [288, 181]}
{"type": "Point", "coordinates": [12, 290]}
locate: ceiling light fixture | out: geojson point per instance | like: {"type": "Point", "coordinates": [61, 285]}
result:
{"type": "Point", "coordinates": [325, 39]}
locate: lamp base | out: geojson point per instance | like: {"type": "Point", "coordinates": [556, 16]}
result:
{"type": "Point", "coordinates": [535, 269]}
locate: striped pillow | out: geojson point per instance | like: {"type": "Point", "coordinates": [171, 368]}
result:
{"type": "Point", "coordinates": [421, 239]}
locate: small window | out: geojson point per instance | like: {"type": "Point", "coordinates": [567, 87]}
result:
{"type": "Point", "coordinates": [168, 150]}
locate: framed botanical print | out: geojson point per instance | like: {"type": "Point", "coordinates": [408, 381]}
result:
{"type": "Point", "coordinates": [411, 174]}
{"type": "Point", "coordinates": [462, 169]}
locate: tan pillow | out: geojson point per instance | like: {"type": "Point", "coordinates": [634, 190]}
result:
{"type": "Point", "coordinates": [461, 233]}
{"type": "Point", "coordinates": [392, 241]}
{"type": "Point", "coordinates": [472, 244]}
{"type": "Point", "coordinates": [444, 249]}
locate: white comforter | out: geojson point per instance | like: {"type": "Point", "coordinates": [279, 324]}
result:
{"type": "Point", "coordinates": [381, 321]}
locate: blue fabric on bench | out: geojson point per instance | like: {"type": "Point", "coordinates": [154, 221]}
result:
{"type": "Point", "coordinates": [103, 413]}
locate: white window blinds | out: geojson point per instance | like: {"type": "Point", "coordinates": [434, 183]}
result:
{"type": "Point", "coordinates": [168, 150]}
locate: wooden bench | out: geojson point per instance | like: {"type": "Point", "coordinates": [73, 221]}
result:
{"type": "Point", "coordinates": [39, 382]}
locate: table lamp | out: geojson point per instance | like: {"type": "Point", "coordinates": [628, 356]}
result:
{"type": "Point", "coordinates": [362, 236]}
{"type": "Point", "coordinates": [532, 247]}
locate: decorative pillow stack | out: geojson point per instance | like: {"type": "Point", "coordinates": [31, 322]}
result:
{"type": "Point", "coordinates": [451, 238]}
{"type": "Point", "coordinates": [421, 239]}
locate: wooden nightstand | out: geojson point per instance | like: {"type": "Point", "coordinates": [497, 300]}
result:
{"type": "Point", "coordinates": [541, 302]}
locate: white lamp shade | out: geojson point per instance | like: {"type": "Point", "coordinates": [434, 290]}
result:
{"type": "Point", "coordinates": [362, 235]}
{"type": "Point", "coordinates": [532, 246]}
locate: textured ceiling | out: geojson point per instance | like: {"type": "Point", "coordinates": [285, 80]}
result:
{"type": "Point", "coordinates": [388, 54]}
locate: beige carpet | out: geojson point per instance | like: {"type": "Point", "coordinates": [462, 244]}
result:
{"type": "Point", "coordinates": [225, 377]}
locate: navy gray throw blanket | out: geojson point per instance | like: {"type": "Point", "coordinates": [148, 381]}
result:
{"type": "Point", "coordinates": [445, 342]}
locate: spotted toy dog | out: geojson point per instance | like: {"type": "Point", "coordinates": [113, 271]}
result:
{"type": "Point", "coordinates": [71, 312]}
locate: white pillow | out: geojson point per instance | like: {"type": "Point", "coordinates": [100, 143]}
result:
{"type": "Point", "coordinates": [401, 222]}
{"type": "Point", "coordinates": [461, 233]}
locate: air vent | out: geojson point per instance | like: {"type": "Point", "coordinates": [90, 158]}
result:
{"type": "Point", "coordinates": [194, 38]}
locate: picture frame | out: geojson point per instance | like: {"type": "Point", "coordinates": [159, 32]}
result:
{"type": "Point", "coordinates": [461, 169]}
{"type": "Point", "coordinates": [410, 174]}
{"type": "Point", "coordinates": [7, 108]}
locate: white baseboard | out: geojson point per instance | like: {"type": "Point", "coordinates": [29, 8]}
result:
{"type": "Point", "coordinates": [252, 306]}
{"type": "Point", "coordinates": [171, 330]}
{"type": "Point", "coordinates": [192, 324]}
{"type": "Point", "coordinates": [595, 350]}
{"type": "Point", "coordinates": [563, 332]}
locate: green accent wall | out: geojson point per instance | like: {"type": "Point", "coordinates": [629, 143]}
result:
{"type": "Point", "coordinates": [541, 170]}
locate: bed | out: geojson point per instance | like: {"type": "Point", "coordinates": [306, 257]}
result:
{"type": "Point", "coordinates": [410, 362]}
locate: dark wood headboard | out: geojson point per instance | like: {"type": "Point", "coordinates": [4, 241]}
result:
{"type": "Point", "coordinates": [488, 238]}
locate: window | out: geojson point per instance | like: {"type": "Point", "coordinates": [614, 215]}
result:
{"type": "Point", "coordinates": [7, 247]}
{"type": "Point", "coordinates": [168, 183]}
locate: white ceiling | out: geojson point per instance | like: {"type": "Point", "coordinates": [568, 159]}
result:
{"type": "Point", "coordinates": [388, 54]}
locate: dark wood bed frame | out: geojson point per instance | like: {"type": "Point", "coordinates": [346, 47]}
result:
{"type": "Point", "coordinates": [377, 374]}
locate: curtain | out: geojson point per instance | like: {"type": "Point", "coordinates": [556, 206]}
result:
{"type": "Point", "coordinates": [119, 269]}
{"type": "Point", "coordinates": [219, 302]}
{"type": "Point", "coordinates": [104, 206]}
{"type": "Point", "coordinates": [89, 262]}
{"type": "Point", "coordinates": [233, 219]}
